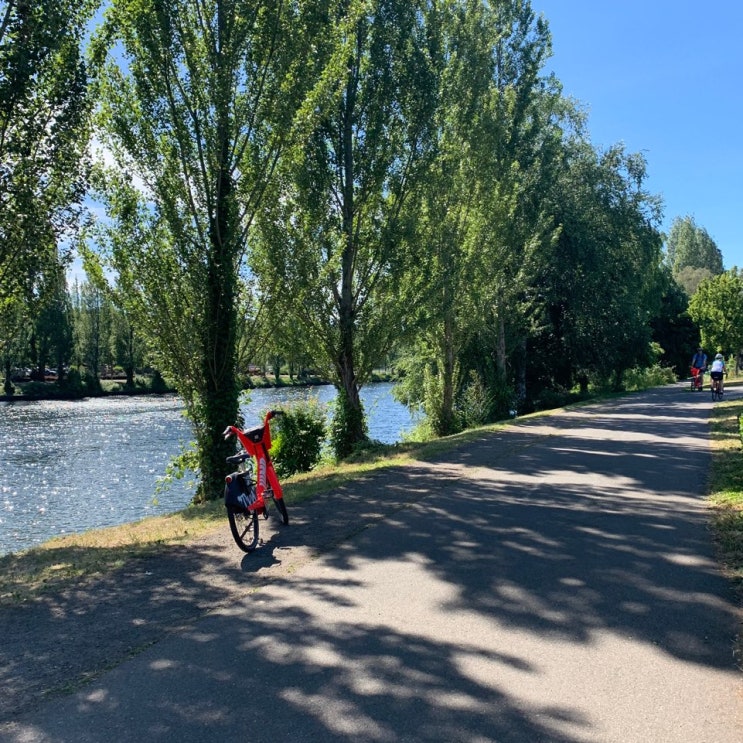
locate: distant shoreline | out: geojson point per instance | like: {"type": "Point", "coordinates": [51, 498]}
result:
{"type": "Point", "coordinates": [55, 393]}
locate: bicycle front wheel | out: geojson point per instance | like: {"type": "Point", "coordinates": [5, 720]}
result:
{"type": "Point", "coordinates": [279, 503]}
{"type": "Point", "coordinates": [244, 528]}
{"type": "Point", "coordinates": [281, 508]}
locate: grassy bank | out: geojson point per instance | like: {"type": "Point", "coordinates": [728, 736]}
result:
{"type": "Point", "coordinates": [726, 486]}
{"type": "Point", "coordinates": [66, 561]}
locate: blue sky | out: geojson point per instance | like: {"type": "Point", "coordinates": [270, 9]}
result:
{"type": "Point", "coordinates": [664, 78]}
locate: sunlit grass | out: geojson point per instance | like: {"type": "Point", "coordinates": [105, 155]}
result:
{"type": "Point", "coordinates": [726, 485]}
{"type": "Point", "coordinates": [68, 560]}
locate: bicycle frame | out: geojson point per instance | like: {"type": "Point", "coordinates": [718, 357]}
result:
{"type": "Point", "coordinates": [257, 442]}
{"type": "Point", "coordinates": [697, 378]}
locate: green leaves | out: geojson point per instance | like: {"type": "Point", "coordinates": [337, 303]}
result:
{"type": "Point", "coordinates": [598, 282]}
{"type": "Point", "coordinates": [198, 100]}
{"type": "Point", "coordinates": [692, 254]}
{"type": "Point", "coordinates": [44, 109]}
{"type": "Point", "coordinates": [717, 308]}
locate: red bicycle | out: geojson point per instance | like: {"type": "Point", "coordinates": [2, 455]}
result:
{"type": "Point", "coordinates": [697, 379]}
{"type": "Point", "coordinates": [244, 497]}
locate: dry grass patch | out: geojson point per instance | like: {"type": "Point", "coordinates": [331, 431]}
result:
{"type": "Point", "coordinates": [73, 559]}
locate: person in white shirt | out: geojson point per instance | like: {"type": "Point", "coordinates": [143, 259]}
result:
{"type": "Point", "coordinates": [717, 370]}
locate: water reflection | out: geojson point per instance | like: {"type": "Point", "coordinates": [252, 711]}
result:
{"type": "Point", "coordinates": [70, 466]}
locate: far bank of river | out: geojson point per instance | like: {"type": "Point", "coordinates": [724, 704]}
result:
{"type": "Point", "coordinates": [68, 466]}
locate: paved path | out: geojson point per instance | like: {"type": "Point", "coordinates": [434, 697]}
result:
{"type": "Point", "coordinates": [551, 582]}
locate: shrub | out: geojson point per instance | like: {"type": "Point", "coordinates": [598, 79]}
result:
{"type": "Point", "coordinates": [91, 384]}
{"type": "Point", "coordinates": [73, 382]}
{"type": "Point", "coordinates": [345, 418]}
{"type": "Point", "coordinates": [158, 384]}
{"type": "Point", "coordinates": [300, 434]}
{"type": "Point", "coordinates": [476, 403]}
{"type": "Point", "coordinates": [653, 376]}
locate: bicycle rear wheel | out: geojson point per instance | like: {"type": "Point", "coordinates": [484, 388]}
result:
{"type": "Point", "coordinates": [244, 528]}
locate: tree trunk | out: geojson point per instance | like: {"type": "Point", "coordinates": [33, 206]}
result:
{"type": "Point", "coordinates": [500, 348]}
{"type": "Point", "coordinates": [60, 366]}
{"type": "Point", "coordinates": [220, 403]}
{"type": "Point", "coordinates": [221, 394]}
{"type": "Point", "coordinates": [349, 426]}
{"type": "Point", "coordinates": [447, 424]}
{"type": "Point", "coordinates": [129, 368]}
{"type": "Point", "coordinates": [8, 386]}
{"type": "Point", "coordinates": [521, 374]}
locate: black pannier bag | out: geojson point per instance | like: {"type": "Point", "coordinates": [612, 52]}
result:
{"type": "Point", "coordinates": [239, 492]}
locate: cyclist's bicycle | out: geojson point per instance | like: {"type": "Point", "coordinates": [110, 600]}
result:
{"type": "Point", "coordinates": [716, 387]}
{"type": "Point", "coordinates": [247, 498]}
{"type": "Point", "coordinates": [697, 379]}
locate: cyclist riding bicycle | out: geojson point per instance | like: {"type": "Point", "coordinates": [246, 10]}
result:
{"type": "Point", "coordinates": [698, 367]}
{"type": "Point", "coordinates": [717, 370]}
{"type": "Point", "coordinates": [699, 359]}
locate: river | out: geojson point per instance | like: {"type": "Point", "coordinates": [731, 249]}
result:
{"type": "Point", "coordinates": [69, 466]}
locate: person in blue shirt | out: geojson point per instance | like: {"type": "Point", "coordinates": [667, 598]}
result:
{"type": "Point", "coordinates": [699, 361]}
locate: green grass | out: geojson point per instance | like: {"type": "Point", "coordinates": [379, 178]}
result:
{"type": "Point", "coordinates": [726, 486]}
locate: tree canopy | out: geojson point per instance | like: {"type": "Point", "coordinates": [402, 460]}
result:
{"type": "Point", "coordinates": [717, 308]}
{"type": "Point", "coordinates": [333, 182]}
{"type": "Point", "coordinates": [692, 254]}
{"type": "Point", "coordinates": [44, 105]}
{"type": "Point", "coordinates": [335, 240]}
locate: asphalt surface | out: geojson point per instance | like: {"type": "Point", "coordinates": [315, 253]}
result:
{"type": "Point", "coordinates": [554, 581]}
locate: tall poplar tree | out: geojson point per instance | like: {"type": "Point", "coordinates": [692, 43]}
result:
{"type": "Point", "coordinates": [198, 99]}
{"type": "Point", "coordinates": [690, 245]}
{"type": "Point", "coordinates": [448, 279]}
{"type": "Point", "coordinates": [336, 242]}
{"type": "Point", "coordinates": [496, 134]}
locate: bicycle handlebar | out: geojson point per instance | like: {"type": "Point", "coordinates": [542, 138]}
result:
{"type": "Point", "coordinates": [262, 434]}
